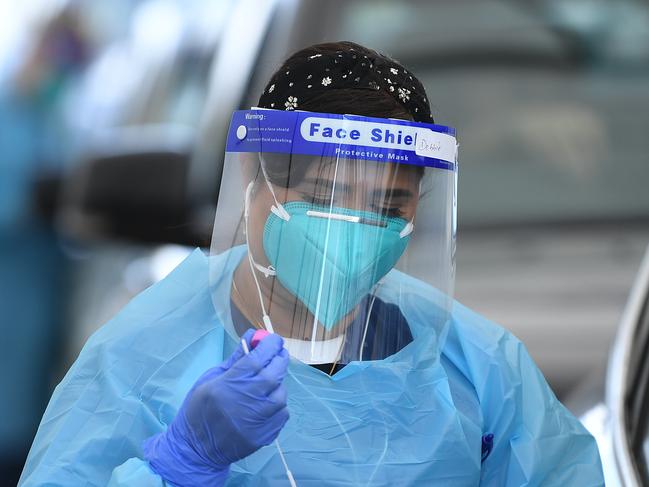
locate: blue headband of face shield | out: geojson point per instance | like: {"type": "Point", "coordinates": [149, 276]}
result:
{"type": "Point", "coordinates": [329, 256]}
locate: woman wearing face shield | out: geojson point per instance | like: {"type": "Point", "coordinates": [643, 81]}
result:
{"type": "Point", "coordinates": [335, 233]}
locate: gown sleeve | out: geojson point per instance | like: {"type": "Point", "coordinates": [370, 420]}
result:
{"type": "Point", "coordinates": [135, 472]}
{"type": "Point", "coordinates": [537, 441]}
{"type": "Point", "coordinates": [126, 385]}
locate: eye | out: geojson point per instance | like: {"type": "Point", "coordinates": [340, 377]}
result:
{"type": "Point", "coordinates": [392, 212]}
{"type": "Point", "coordinates": [320, 200]}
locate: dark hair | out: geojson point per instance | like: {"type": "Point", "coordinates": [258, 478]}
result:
{"type": "Point", "coordinates": [361, 82]}
{"type": "Point", "coordinates": [365, 83]}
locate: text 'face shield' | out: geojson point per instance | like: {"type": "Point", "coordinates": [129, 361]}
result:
{"type": "Point", "coordinates": [338, 223]}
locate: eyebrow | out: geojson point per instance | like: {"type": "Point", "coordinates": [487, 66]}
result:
{"type": "Point", "coordinates": [327, 184]}
{"type": "Point", "coordinates": [387, 193]}
{"type": "Point", "coordinates": [393, 193]}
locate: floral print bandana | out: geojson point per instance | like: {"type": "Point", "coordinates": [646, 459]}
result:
{"type": "Point", "coordinates": [305, 78]}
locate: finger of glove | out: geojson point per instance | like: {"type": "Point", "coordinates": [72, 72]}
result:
{"type": "Point", "coordinates": [227, 364]}
{"type": "Point", "coordinates": [274, 373]}
{"type": "Point", "coordinates": [260, 391]}
{"type": "Point", "coordinates": [276, 400]}
{"type": "Point", "coordinates": [262, 355]}
{"type": "Point", "coordinates": [273, 426]}
{"type": "Point", "coordinates": [238, 352]}
{"type": "Point", "coordinates": [269, 378]}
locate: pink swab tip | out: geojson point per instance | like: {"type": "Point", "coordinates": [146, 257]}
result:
{"type": "Point", "coordinates": [257, 337]}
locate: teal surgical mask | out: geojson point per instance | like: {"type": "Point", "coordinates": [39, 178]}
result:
{"type": "Point", "coordinates": [329, 257]}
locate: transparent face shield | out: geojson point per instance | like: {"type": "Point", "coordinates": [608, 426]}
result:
{"type": "Point", "coordinates": [335, 232]}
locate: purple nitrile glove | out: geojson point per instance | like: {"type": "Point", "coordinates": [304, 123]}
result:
{"type": "Point", "coordinates": [231, 411]}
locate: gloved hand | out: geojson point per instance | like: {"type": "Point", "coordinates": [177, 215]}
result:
{"type": "Point", "coordinates": [230, 412]}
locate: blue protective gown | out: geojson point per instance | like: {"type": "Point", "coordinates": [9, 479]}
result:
{"type": "Point", "coordinates": [416, 418]}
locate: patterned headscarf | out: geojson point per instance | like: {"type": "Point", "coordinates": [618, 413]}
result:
{"type": "Point", "coordinates": [304, 78]}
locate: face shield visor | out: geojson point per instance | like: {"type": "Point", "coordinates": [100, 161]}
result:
{"type": "Point", "coordinates": [336, 232]}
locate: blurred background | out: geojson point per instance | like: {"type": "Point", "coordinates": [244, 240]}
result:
{"type": "Point", "coordinates": [113, 117]}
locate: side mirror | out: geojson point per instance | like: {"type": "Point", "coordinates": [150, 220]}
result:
{"type": "Point", "coordinates": [131, 188]}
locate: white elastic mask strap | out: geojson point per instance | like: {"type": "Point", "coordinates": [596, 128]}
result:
{"type": "Point", "coordinates": [278, 209]}
{"type": "Point", "coordinates": [266, 271]}
{"type": "Point", "coordinates": [407, 230]}
{"type": "Point", "coordinates": [246, 203]}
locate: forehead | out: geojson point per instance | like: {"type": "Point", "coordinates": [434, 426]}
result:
{"type": "Point", "coordinates": [309, 172]}
{"type": "Point", "coordinates": [361, 170]}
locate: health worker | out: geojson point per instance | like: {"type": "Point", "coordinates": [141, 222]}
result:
{"type": "Point", "coordinates": [335, 231]}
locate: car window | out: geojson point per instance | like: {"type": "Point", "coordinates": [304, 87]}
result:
{"type": "Point", "coordinates": [638, 400]}
{"type": "Point", "coordinates": [550, 99]}
{"type": "Point", "coordinates": [178, 97]}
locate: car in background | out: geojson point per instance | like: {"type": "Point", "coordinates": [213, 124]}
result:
{"type": "Point", "coordinates": [618, 414]}
{"type": "Point", "coordinates": [549, 100]}
{"type": "Point", "coordinates": [126, 198]}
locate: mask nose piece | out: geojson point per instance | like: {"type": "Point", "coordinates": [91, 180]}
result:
{"type": "Point", "coordinates": [333, 216]}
